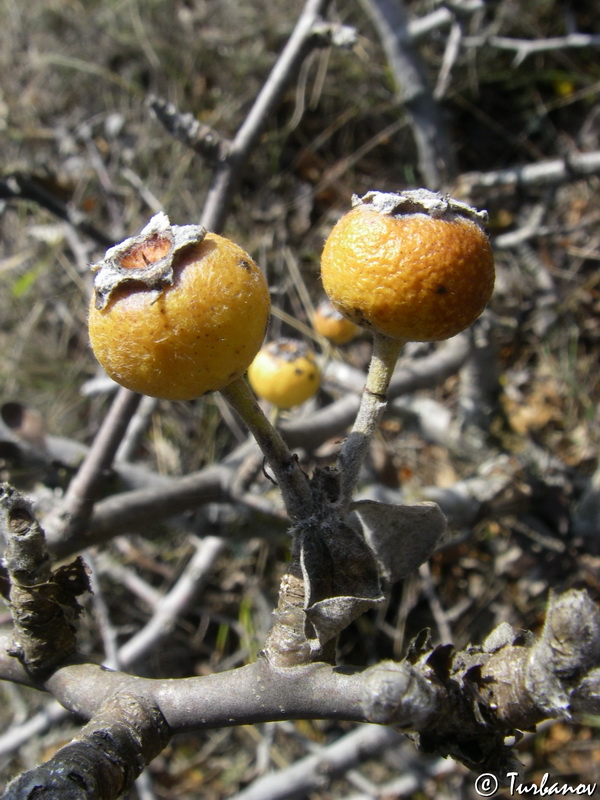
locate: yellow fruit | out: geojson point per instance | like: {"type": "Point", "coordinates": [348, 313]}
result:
{"type": "Point", "coordinates": [328, 321]}
{"type": "Point", "coordinates": [415, 266]}
{"type": "Point", "coordinates": [191, 332]}
{"type": "Point", "coordinates": [285, 373]}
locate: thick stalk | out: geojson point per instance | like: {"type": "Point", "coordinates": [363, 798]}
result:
{"type": "Point", "coordinates": [293, 483]}
{"type": "Point", "coordinates": [372, 406]}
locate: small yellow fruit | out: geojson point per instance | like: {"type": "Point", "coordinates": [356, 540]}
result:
{"type": "Point", "coordinates": [285, 373]}
{"type": "Point", "coordinates": [181, 330]}
{"type": "Point", "coordinates": [328, 321]}
{"type": "Point", "coordinates": [415, 266]}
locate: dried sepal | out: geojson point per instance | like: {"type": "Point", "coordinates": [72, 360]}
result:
{"type": "Point", "coordinates": [419, 201]}
{"type": "Point", "coordinates": [146, 258]}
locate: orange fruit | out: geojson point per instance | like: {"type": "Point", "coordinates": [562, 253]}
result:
{"type": "Point", "coordinates": [285, 373]}
{"type": "Point", "coordinates": [410, 275]}
{"type": "Point", "coordinates": [328, 322]}
{"type": "Point", "coordinates": [187, 337]}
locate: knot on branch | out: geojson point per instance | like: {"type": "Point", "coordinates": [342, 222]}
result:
{"type": "Point", "coordinates": [527, 684]}
{"type": "Point", "coordinates": [399, 695]}
{"type": "Point", "coordinates": [465, 703]}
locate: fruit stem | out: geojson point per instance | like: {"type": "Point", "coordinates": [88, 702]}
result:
{"type": "Point", "coordinates": [293, 483]}
{"type": "Point", "coordinates": [372, 406]}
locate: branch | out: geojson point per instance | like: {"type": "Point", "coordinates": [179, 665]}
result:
{"type": "Point", "coordinates": [68, 521]}
{"type": "Point", "coordinates": [525, 685]}
{"type": "Point", "coordinates": [544, 173]}
{"type": "Point", "coordinates": [135, 509]}
{"type": "Point", "coordinates": [103, 760]}
{"type": "Point", "coordinates": [316, 771]}
{"type": "Point", "coordinates": [435, 152]}
{"type": "Point", "coordinates": [168, 497]}
{"type": "Point", "coordinates": [423, 373]}
{"type": "Point", "coordinates": [459, 703]}
{"type": "Point", "coordinates": [168, 609]}
{"type": "Point", "coordinates": [229, 169]}
{"type": "Point", "coordinates": [37, 725]}
{"type": "Point", "coordinates": [527, 47]}
{"type": "Point", "coordinates": [201, 138]}
{"type": "Point", "coordinates": [19, 186]}
{"type": "Point", "coordinates": [25, 443]}
{"type": "Point", "coordinates": [171, 606]}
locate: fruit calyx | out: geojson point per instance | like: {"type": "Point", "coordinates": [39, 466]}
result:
{"type": "Point", "coordinates": [146, 258]}
{"type": "Point", "coordinates": [288, 350]}
{"type": "Point", "coordinates": [419, 201]}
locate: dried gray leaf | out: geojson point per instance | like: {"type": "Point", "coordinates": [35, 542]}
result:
{"type": "Point", "coordinates": [330, 617]}
{"type": "Point", "coordinates": [402, 537]}
{"type": "Point", "coordinates": [337, 562]}
{"type": "Point", "coordinates": [341, 577]}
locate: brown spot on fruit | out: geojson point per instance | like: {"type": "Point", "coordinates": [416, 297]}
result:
{"type": "Point", "coordinates": [412, 266]}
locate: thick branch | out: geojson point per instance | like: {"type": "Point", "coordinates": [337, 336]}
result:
{"type": "Point", "coordinates": [103, 760]}
{"type": "Point", "coordinates": [461, 703]}
{"type": "Point", "coordinates": [436, 690]}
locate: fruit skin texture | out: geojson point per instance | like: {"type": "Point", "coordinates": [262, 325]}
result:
{"type": "Point", "coordinates": [191, 337]}
{"type": "Point", "coordinates": [411, 277]}
{"type": "Point", "coordinates": [285, 373]}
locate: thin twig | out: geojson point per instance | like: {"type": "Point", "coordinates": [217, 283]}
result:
{"type": "Point", "coordinates": [436, 157]}
{"type": "Point", "coordinates": [138, 425]}
{"type": "Point", "coordinates": [544, 173]}
{"type": "Point", "coordinates": [527, 47]}
{"type": "Point", "coordinates": [229, 170]}
{"type": "Point", "coordinates": [22, 187]}
{"type": "Point", "coordinates": [315, 771]}
{"type": "Point", "coordinates": [181, 597]}
{"type": "Point", "coordinates": [69, 519]}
